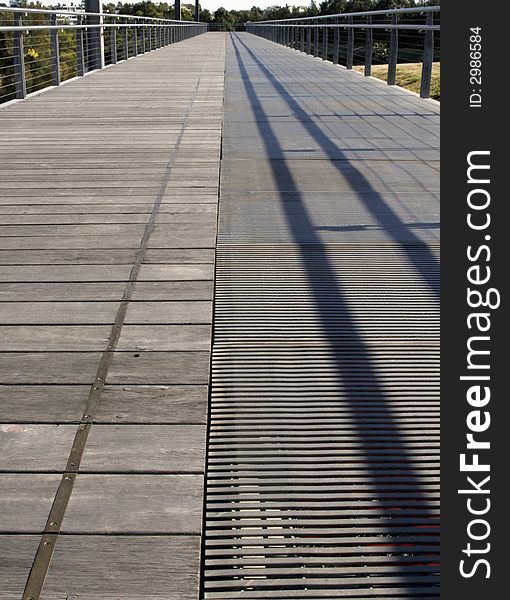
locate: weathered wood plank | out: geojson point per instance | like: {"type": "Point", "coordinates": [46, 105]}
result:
{"type": "Point", "coordinates": [58, 313]}
{"type": "Point", "coordinates": [175, 290]}
{"type": "Point", "coordinates": [25, 501]}
{"type": "Point", "coordinates": [159, 368]}
{"type": "Point", "coordinates": [35, 447]}
{"type": "Point", "coordinates": [41, 338]}
{"type": "Point", "coordinates": [41, 273]}
{"type": "Point", "coordinates": [70, 292]}
{"type": "Point", "coordinates": [176, 272]}
{"type": "Point", "coordinates": [163, 337]}
{"type": "Point", "coordinates": [149, 448]}
{"type": "Point", "coordinates": [153, 404]}
{"type": "Point", "coordinates": [42, 403]}
{"type": "Point", "coordinates": [48, 367]}
{"type": "Point", "coordinates": [139, 504]}
{"type": "Point", "coordinates": [191, 311]}
{"type": "Point", "coordinates": [16, 558]}
{"type": "Point", "coordinates": [134, 567]}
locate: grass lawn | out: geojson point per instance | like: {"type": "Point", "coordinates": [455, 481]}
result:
{"type": "Point", "coordinates": [409, 76]}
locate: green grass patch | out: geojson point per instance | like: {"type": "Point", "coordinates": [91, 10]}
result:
{"type": "Point", "coordinates": [409, 76]}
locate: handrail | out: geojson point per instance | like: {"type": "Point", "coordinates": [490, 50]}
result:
{"type": "Point", "coordinates": [6, 28]}
{"type": "Point", "coordinates": [21, 73]}
{"type": "Point", "coordinates": [51, 11]}
{"type": "Point", "coordinates": [303, 34]}
{"type": "Point", "coordinates": [389, 11]}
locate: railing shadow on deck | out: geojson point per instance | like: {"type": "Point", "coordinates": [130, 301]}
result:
{"type": "Point", "coordinates": [325, 288]}
{"type": "Point", "coordinates": [386, 217]}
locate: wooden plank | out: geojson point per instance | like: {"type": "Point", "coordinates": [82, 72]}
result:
{"type": "Point", "coordinates": [159, 368]}
{"type": "Point", "coordinates": [176, 290]}
{"type": "Point", "coordinates": [35, 447]}
{"type": "Point", "coordinates": [70, 292]}
{"type": "Point", "coordinates": [16, 557]}
{"type": "Point", "coordinates": [109, 230]}
{"type": "Point", "coordinates": [134, 567]}
{"type": "Point", "coordinates": [48, 367]}
{"type": "Point", "coordinates": [67, 257]}
{"type": "Point", "coordinates": [39, 338]}
{"type": "Point", "coordinates": [25, 501]}
{"type": "Point", "coordinates": [153, 404]}
{"type": "Point", "coordinates": [176, 272]}
{"type": "Point", "coordinates": [42, 403]}
{"type": "Point", "coordinates": [142, 504]}
{"type": "Point", "coordinates": [145, 448]}
{"type": "Point", "coordinates": [191, 311]}
{"type": "Point", "coordinates": [163, 337]}
{"type": "Point", "coordinates": [41, 273]}
{"type": "Point", "coordinates": [55, 313]}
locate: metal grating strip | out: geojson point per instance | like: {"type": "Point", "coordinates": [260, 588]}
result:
{"type": "Point", "coordinates": [323, 458]}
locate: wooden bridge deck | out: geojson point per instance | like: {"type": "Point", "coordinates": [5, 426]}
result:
{"type": "Point", "coordinates": [323, 412]}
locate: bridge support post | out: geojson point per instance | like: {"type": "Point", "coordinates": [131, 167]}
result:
{"type": "Point", "coordinates": [197, 11]}
{"type": "Point", "coordinates": [95, 36]}
{"type": "Point", "coordinates": [428, 57]}
{"type": "Point", "coordinates": [19, 60]}
{"type": "Point", "coordinates": [392, 61]}
{"type": "Point", "coordinates": [368, 49]}
{"type": "Point", "coordinates": [177, 9]}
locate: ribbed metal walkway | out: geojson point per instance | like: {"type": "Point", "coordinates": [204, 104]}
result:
{"type": "Point", "coordinates": [322, 476]}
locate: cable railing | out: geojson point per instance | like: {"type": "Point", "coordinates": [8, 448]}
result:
{"type": "Point", "coordinates": [41, 48]}
{"type": "Point", "coordinates": [386, 37]}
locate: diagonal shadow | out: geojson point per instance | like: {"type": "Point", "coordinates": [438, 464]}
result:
{"type": "Point", "coordinates": [325, 289]}
{"type": "Point", "coordinates": [382, 212]}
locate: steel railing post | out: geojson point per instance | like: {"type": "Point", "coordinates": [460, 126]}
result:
{"type": "Point", "coordinates": [55, 54]}
{"type": "Point", "coordinates": [94, 36]}
{"type": "Point", "coordinates": [135, 40]}
{"type": "Point", "coordinates": [125, 38]}
{"type": "Point", "coordinates": [350, 45]}
{"type": "Point", "coordinates": [369, 42]}
{"type": "Point", "coordinates": [113, 44]}
{"type": "Point", "coordinates": [143, 38]}
{"type": "Point", "coordinates": [19, 59]}
{"type": "Point", "coordinates": [325, 39]}
{"type": "Point", "coordinates": [336, 43]}
{"type": "Point", "coordinates": [80, 50]}
{"type": "Point", "coordinates": [392, 61]}
{"type": "Point", "coordinates": [302, 39]}
{"type": "Point", "coordinates": [308, 40]}
{"type": "Point", "coordinates": [316, 42]}
{"type": "Point", "coordinates": [428, 58]}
